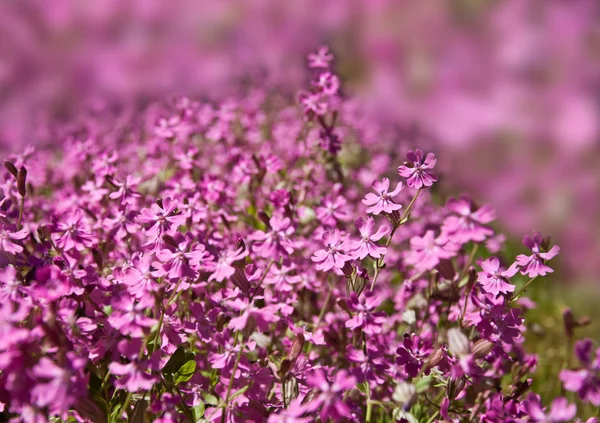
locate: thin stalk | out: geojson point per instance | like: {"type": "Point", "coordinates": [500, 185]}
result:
{"type": "Point", "coordinates": [516, 296]}
{"type": "Point", "coordinates": [379, 262]}
{"type": "Point", "coordinates": [230, 385]}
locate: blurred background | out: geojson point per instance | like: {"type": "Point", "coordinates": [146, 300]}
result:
{"type": "Point", "coordinates": [507, 91]}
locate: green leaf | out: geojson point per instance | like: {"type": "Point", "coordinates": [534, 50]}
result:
{"type": "Point", "coordinates": [239, 392]}
{"type": "Point", "coordinates": [210, 399]}
{"type": "Point", "coordinates": [423, 384]}
{"type": "Point", "coordinates": [186, 372]}
{"type": "Point", "coordinates": [175, 362]}
{"type": "Point", "coordinates": [199, 411]}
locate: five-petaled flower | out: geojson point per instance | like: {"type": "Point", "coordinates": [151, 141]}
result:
{"type": "Point", "coordinates": [382, 201]}
{"type": "Point", "coordinates": [418, 169]}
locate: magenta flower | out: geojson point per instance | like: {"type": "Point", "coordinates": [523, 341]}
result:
{"type": "Point", "coordinates": [585, 381]}
{"type": "Point", "coordinates": [7, 237]}
{"type": "Point", "coordinates": [535, 264]}
{"type": "Point", "coordinates": [140, 277]}
{"type": "Point", "coordinates": [413, 353]}
{"type": "Point", "coordinates": [275, 243]}
{"type": "Point", "coordinates": [74, 232]}
{"type": "Point", "coordinates": [129, 318]}
{"type": "Point", "coordinates": [331, 396]}
{"type": "Point", "coordinates": [426, 251]}
{"type": "Point", "coordinates": [320, 59]}
{"type": "Point", "coordinates": [382, 201]}
{"type": "Point", "coordinates": [560, 410]}
{"type": "Point", "coordinates": [468, 223]}
{"type": "Point", "coordinates": [160, 218]}
{"type": "Point", "coordinates": [418, 169]}
{"type": "Point", "coordinates": [366, 245]}
{"type": "Point", "coordinates": [181, 262]}
{"type": "Point", "coordinates": [495, 281]}
{"type": "Point", "coordinates": [363, 313]}
{"type": "Point", "coordinates": [333, 209]}
{"type": "Point", "coordinates": [59, 387]}
{"type": "Point", "coordinates": [133, 376]}
{"type": "Point", "coordinates": [223, 267]}
{"type": "Point", "coordinates": [126, 193]}
{"type": "Point", "coordinates": [334, 255]}
{"type": "Point", "coordinates": [261, 317]}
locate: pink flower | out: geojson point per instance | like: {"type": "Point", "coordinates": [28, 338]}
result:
{"type": "Point", "coordinates": [160, 218]}
{"type": "Point", "coordinates": [426, 251]}
{"type": "Point", "coordinates": [366, 245]}
{"type": "Point", "coordinates": [59, 387]}
{"type": "Point", "coordinates": [224, 268]}
{"type": "Point", "coordinates": [320, 59]}
{"type": "Point", "coordinates": [495, 281]}
{"type": "Point", "coordinates": [560, 410]}
{"type": "Point", "coordinates": [418, 169]}
{"type": "Point", "coordinates": [275, 243]}
{"type": "Point", "coordinates": [535, 264]}
{"type": "Point", "coordinates": [335, 253]}
{"type": "Point", "coordinates": [468, 224]}
{"type": "Point", "coordinates": [382, 201]}
{"type": "Point", "coordinates": [134, 378]}
{"type": "Point", "coordinates": [363, 313]}
{"type": "Point", "coordinates": [74, 232]}
{"type": "Point", "coordinates": [7, 237]}
{"type": "Point", "coordinates": [331, 396]}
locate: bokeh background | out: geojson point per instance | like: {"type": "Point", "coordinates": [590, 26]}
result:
{"type": "Point", "coordinates": [507, 93]}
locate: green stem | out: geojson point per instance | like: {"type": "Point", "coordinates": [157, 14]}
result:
{"type": "Point", "coordinates": [369, 404]}
{"type": "Point", "coordinates": [230, 385]}
{"type": "Point", "coordinates": [379, 262]}
{"type": "Point", "coordinates": [516, 296]}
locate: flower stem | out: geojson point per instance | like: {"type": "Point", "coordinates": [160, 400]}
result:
{"type": "Point", "coordinates": [516, 296]}
{"type": "Point", "coordinates": [379, 261]}
{"type": "Point", "coordinates": [230, 385]}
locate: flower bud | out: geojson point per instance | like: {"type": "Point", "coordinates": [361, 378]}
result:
{"type": "Point", "coordinates": [434, 359]}
{"type": "Point", "coordinates": [89, 409]}
{"type": "Point", "coordinates": [11, 168]}
{"type": "Point", "coordinates": [405, 394]}
{"type": "Point", "coordinates": [22, 181]}
{"type": "Point", "coordinates": [290, 389]}
{"type": "Point", "coordinates": [454, 387]}
{"type": "Point", "coordinates": [169, 240]}
{"type": "Point", "coordinates": [139, 412]}
{"type": "Point", "coordinates": [296, 348]}
{"type": "Point", "coordinates": [458, 343]}
{"type": "Point", "coordinates": [446, 269]}
{"type": "Point", "coordinates": [258, 406]}
{"type": "Point", "coordinates": [481, 348]}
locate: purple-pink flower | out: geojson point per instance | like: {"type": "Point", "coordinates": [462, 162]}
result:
{"type": "Point", "coordinates": [495, 281]}
{"type": "Point", "coordinates": [366, 245]}
{"type": "Point", "coordinates": [330, 397]}
{"type": "Point", "coordinates": [335, 252]}
{"type": "Point", "coordinates": [535, 264]}
{"type": "Point", "coordinates": [382, 201]}
{"type": "Point", "coordinates": [418, 169]}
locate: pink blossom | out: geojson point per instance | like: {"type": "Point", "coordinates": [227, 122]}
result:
{"type": "Point", "coordinates": [382, 201]}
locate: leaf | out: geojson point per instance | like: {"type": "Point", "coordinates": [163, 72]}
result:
{"type": "Point", "coordinates": [423, 384]}
{"type": "Point", "coordinates": [199, 411]}
{"type": "Point", "coordinates": [175, 362]}
{"type": "Point", "coordinates": [239, 392]}
{"type": "Point", "coordinates": [210, 399]}
{"type": "Point", "coordinates": [186, 371]}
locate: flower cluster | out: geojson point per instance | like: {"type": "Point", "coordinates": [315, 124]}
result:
{"type": "Point", "coordinates": [218, 264]}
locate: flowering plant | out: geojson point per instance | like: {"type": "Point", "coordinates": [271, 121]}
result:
{"type": "Point", "coordinates": [226, 264]}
